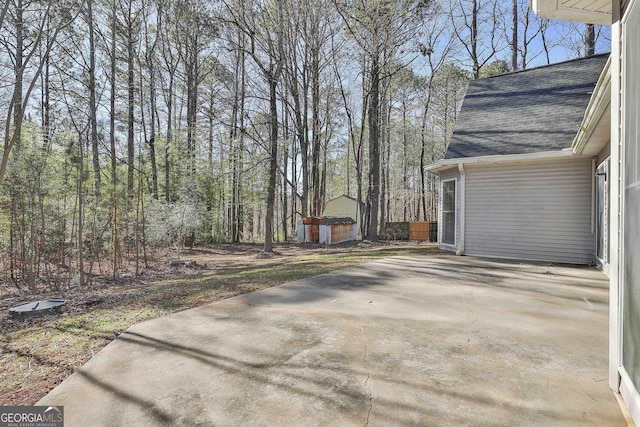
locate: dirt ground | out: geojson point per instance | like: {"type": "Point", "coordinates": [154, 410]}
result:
{"type": "Point", "coordinates": [197, 261]}
{"type": "Point", "coordinates": [37, 353]}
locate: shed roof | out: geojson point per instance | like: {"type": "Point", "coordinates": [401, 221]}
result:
{"type": "Point", "coordinates": [344, 196]}
{"type": "Point", "coordinates": [528, 111]}
{"type": "Point", "coordinates": [328, 220]}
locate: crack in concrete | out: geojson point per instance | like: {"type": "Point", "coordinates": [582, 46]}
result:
{"type": "Point", "coordinates": [366, 382]}
{"type": "Point", "coordinates": [469, 327]}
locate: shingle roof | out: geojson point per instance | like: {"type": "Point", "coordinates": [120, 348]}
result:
{"type": "Point", "coordinates": [525, 112]}
{"type": "Point", "coordinates": [328, 220]}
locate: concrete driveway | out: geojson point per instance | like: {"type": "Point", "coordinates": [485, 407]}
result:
{"type": "Point", "coordinates": [438, 341]}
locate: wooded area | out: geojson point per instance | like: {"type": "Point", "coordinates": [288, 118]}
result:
{"type": "Point", "coordinates": [135, 124]}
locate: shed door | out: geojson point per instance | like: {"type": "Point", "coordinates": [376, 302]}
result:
{"type": "Point", "coordinates": [534, 211]}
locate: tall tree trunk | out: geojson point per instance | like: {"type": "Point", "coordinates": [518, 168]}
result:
{"type": "Point", "coordinates": [93, 114]}
{"type": "Point", "coordinates": [18, 70]}
{"type": "Point", "coordinates": [474, 40]}
{"type": "Point", "coordinates": [192, 105]}
{"type": "Point", "coordinates": [273, 165]}
{"type": "Point", "coordinates": [374, 150]}
{"type": "Point", "coordinates": [153, 106]}
{"type": "Point", "coordinates": [423, 155]}
{"type": "Point", "coordinates": [405, 160]}
{"type": "Point", "coordinates": [304, 152]}
{"type": "Point", "coordinates": [168, 59]}
{"type": "Point", "coordinates": [316, 209]}
{"type": "Point", "coordinates": [80, 195]}
{"type": "Point", "coordinates": [514, 37]}
{"type": "Point", "coordinates": [301, 134]}
{"type": "Point", "coordinates": [543, 37]}
{"type": "Point", "coordinates": [46, 128]}
{"type": "Point", "coordinates": [154, 166]}
{"type": "Point", "coordinates": [273, 75]}
{"type": "Point", "coordinates": [112, 143]}
{"type": "Point", "coordinates": [386, 199]}
{"type": "Point", "coordinates": [285, 169]}
{"type": "Point", "coordinates": [130, 105]}
{"type": "Point", "coordinates": [210, 141]}
{"type": "Point", "coordinates": [358, 153]}
{"type": "Point", "coordinates": [384, 159]}
{"type": "Point", "coordinates": [236, 140]}
{"type": "Point", "coordinates": [294, 185]}
{"type": "Point", "coordinates": [46, 98]}
{"type": "Point", "coordinates": [589, 40]}
{"type": "Point", "coordinates": [167, 148]}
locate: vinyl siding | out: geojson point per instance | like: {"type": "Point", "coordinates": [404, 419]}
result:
{"type": "Point", "coordinates": [532, 211]}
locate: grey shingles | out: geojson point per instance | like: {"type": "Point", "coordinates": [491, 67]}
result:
{"type": "Point", "coordinates": [525, 112]}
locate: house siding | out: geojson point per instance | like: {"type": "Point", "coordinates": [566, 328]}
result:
{"type": "Point", "coordinates": [535, 211]}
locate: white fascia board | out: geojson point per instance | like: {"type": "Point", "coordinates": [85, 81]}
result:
{"type": "Point", "coordinates": [441, 166]}
{"type": "Point", "coordinates": [553, 9]}
{"type": "Point", "coordinates": [598, 104]}
{"type": "Point", "coordinates": [445, 164]}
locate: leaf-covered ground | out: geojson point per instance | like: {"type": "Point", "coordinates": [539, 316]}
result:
{"type": "Point", "coordinates": [37, 353]}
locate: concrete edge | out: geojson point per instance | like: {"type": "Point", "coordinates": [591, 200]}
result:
{"type": "Point", "coordinates": [623, 408]}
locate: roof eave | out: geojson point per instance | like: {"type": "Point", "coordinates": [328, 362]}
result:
{"type": "Point", "coordinates": [343, 195]}
{"type": "Point", "coordinates": [441, 166]}
{"type": "Point", "coordinates": [578, 12]}
{"type": "Point", "coordinates": [587, 140]}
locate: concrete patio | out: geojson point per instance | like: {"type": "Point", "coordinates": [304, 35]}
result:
{"type": "Point", "coordinates": [438, 341]}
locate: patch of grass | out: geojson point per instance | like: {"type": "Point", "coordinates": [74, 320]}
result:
{"type": "Point", "coordinates": [38, 354]}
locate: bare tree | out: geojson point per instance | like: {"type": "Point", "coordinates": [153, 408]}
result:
{"type": "Point", "coordinates": [532, 27]}
{"type": "Point", "coordinates": [171, 62]}
{"type": "Point", "coordinates": [237, 39]}
{"type": "Point", "coordinates": [436, 48]}
{"type": "Point", "coordinates": [26, 67]}
{"type": "Point", "coordinates": [131, 33]}
{"type": "Point", "coordinates": [112, 139]}
{"type": "Point", "coordinates": [380, 29]}
{"type": "Point", "coordinates": [476, 24]}
{"type": "Point", "coordinates": [93, 107]}
{"type": "Point", "coordinates": [514, 37]}
{"type": "Point", "coordinates": [355, 137]}
{"type": "Point", "coordinates": [263, 26]}
{"type": "Point", "coordinates": [151, 40]}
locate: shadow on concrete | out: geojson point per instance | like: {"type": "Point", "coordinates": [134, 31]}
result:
{"type": "Point", "coordinates": [291, 382]}
{"type": "Point", "coordinates": [548, 281]}
{"type": "Point", "coordinates": [159, 416]}
{"type": "Point", "coordinates": [348, 383]}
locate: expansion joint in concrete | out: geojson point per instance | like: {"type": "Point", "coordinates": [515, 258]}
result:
{"type": "Point", "coordinates": [366, 381]}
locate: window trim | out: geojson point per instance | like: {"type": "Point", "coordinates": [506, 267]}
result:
{"type": "Point", "coordinates": [454, 211]}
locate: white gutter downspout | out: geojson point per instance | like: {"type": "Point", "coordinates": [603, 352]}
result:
{"type": "Point", "coordinates": [593, 195]}
{"type": "Point", "coordinates": [460, 250]}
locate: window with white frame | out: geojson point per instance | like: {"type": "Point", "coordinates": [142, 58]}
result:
{"type": "Point", "coordinates": [449, 212]}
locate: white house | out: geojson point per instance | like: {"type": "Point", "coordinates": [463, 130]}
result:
{"type": "Point", "coordinates": [620, 99]}
{"type": "Point", "coordinates": [511, 185]}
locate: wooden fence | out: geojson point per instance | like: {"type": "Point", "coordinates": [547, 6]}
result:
{"type": "Point", "coordinates": [415, 230]}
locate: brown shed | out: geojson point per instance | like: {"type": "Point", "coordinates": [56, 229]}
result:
{"type": "Point", "coordinates": [328, 230]}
